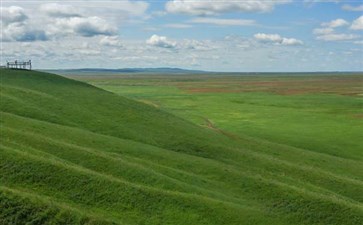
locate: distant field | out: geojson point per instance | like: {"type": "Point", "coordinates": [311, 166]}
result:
{"type": "Point", "coordinates": [321, 113]}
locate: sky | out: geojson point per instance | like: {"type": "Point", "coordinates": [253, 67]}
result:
{"type": "Point", "coordinates": [221, 35]}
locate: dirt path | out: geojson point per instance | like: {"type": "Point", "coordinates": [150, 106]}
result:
{"type": "Point", "coordinates": [210, 125]}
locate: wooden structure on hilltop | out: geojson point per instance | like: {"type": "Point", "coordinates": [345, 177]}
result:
{"type": "Point", "coordinates": [19, 65]}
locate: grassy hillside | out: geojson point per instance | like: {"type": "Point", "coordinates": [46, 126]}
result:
{"type": "Point", "coordinates": [72, 153]}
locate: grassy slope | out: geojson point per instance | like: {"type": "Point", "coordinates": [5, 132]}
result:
{"type": "Point", "coordinates": [72, 153]}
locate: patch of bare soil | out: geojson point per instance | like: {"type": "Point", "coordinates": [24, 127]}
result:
{"type": "Point", "coordinates": [210, 125]}
{"type": "Point", "coordinates": [341, 87]}
{"type": "Point", "coordinates": [358, 116]}
{"type": "Point", "coordinates": [149, 103]}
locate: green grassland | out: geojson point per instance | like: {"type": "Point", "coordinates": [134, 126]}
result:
{"type": "Point", "coordinates": [317, 113]}
{"type": "Point", "coordinates": [151, 150]}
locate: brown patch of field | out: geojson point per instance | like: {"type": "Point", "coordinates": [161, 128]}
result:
{"type": "Point", "coordinates": [211, 90]}
{"type": "Point", "coordinates": [358, 116]}
{"type": "Point", "coordinates": [352, 86]}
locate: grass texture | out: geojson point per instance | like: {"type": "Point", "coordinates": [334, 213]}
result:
{"type": "Point", "coordinates": [72, 153]}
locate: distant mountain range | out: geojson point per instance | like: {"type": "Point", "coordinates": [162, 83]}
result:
{"type": "Point", "coordinates": [163, 70]}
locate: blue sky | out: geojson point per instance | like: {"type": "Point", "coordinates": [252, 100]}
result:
{"type": "Point", "coordinates": [226, 35]}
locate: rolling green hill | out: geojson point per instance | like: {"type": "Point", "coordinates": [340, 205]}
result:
{"type": "Point", "coordinates": [71, 153]}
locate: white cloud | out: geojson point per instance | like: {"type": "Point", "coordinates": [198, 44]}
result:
{"type": "Point", "coordinates": [22, 33]}
{"type": "Point", "coordinates": [134, 8]}
{"type": "Point", "coordinates": [178, 25]}
{"type": "Point", "coordinates": [161, 41]}
{"type": "Point", "coordinates": [112, 41]}
{"type": "Point", "coordinates": [291, 41]}
{"type": "Point", "coordinates": [352, 8]}
{"type": "Point", "coordinates": [337, 37]}
{"type": "Point", "coordinates": [321, 1]}
{"type": "Point", "coordinates": [71, 20]}
{"type": "Point", "coordinates": [196, 45]}
{"type": "Point", "coordinates": [60, 18]}
{"type": "Point", "coordinates": [357, 24]}
{"type": "Point", "coordinates": [12, 14]}
{"type": "Point", "coordinates": [207, 7]}
{"type": "Point", "coordinates": [185, 44]}
{"type": "Point", "coordinates": [277, 39]}
{"type": "Point", "coordinates": [335, 23]}
{"type": "Point", "coordinates": [59, 10]}
{"type": "Point", "coordinates": [112, 8]}
{"type": "Point", "coordinates": [327, 33]}
{"type": "Point", "coordinates": [320, 31]}
{"type": "Point", "coordinates": [268, 37]}
{"type": "Point", "coordinates": [15, 26]}
{"type": "Point", "coordinates": [83, 26]}
{"type": "Point", "coordinates": [223, 22]}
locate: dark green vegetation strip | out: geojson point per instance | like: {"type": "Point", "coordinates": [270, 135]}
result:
{"type": "Point", "coordinates": [75, 154]}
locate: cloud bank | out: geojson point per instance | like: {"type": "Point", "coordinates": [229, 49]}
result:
{"type": "Point", "coordinates": [277, 39]}
{"type": "Point", "coordinates": [208, 8]}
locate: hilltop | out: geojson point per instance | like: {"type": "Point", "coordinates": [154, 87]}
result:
{"type": "Point", "coordinates": [72, 153]}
